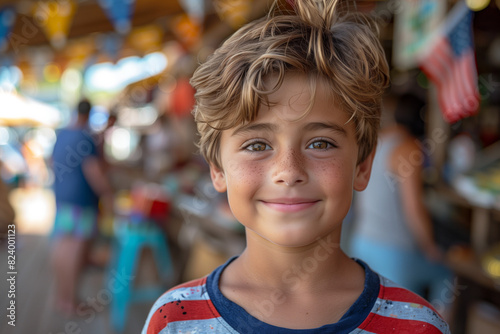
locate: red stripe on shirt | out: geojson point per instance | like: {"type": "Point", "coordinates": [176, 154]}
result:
{"type": "Point", "coordinates": [379, 324]}
{"type": "Point", "coordinates": [403, 295]}
{"type": "Point", "coordinates": [179, 311]}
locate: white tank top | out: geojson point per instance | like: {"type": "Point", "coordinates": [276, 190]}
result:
{"type": "Point", "coordinates": [379, 210]}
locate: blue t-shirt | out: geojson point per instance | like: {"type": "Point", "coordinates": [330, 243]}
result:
{"type": "Point", "coordinates": [72, 148]}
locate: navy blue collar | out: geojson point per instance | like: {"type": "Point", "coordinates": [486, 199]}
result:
{"type": "Point", "coordinates": [243, 322]}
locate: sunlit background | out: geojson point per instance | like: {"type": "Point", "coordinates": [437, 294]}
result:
{"type": "Point", "coordinates": [133, 58]}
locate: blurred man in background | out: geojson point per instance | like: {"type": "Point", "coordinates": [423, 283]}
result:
{"type": "Point", "coordinates": [79, 184]}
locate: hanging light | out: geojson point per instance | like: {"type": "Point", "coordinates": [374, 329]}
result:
{"type": "Point", "coordinates": [477, 5]}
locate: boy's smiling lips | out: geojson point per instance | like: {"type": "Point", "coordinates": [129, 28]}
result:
{"type": "Point", "coordinates": [289, 204]}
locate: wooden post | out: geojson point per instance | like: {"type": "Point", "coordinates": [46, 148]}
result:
{"type": "Point", "coordinates": [480, 229]}
{"type": "Point", "coordinates": [437, 135]}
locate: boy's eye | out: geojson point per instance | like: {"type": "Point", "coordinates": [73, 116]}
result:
{"type": "Point", "coordinates": [258, 146]}
{"type": "Point", "coordinates": [321, 145]}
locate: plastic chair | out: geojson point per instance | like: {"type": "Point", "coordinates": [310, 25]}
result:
{"type": "Point", "coordinates": [130, 239]}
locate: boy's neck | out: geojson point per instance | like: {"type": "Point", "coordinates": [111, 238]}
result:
{"type": "Point", "coordinates": [293, 288]}
{"type": "Point", "coordinates": [300, 268]}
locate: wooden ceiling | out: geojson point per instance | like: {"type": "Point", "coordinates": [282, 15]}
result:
{"type": "Point", "coordinates": [89, 18]}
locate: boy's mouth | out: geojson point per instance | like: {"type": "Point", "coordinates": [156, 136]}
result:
{"type": "Point", "coordinates": [290, 204]}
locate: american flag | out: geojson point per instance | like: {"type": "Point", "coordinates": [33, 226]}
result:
{"type": "Point", "coordinates": [451, 64]}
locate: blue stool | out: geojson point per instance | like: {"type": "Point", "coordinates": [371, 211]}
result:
{"type": "Point", "coordinates": [130, 239]}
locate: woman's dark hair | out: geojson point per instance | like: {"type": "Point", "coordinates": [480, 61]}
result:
{"type": "Point", "coordinates": [409, 114]}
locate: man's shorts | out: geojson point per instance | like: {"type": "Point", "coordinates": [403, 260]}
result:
{"type": "Point", "coordinates": [74, 220]}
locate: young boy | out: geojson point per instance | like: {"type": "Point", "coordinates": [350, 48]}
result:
{"type": "Point", "coordinates": [288, 111]}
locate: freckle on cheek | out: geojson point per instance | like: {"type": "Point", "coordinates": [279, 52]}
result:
{"type": "Point", "coordinates": [241, 173]}
{"type": "Point", "coordinates": [251, 174]}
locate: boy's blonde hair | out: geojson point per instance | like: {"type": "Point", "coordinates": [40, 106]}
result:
{"type": "Point", "coordinates": [314, 39]}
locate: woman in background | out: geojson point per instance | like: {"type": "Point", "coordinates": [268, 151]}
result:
{"type": "Point", "coordinates": [393, 231]}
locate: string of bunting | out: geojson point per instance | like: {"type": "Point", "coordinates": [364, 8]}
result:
{"type": "Point", "coordinates": [120, 13]}
{"type": "Point", "coordinates": [234, 12]}
{"type": "Point", "coordinates": [55, 17]}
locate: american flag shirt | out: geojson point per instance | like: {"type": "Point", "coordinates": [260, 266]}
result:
{"type": "Point", "coordinates": [383, 307]}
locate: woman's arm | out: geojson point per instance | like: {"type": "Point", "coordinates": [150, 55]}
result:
{"type": "Point", "coordinates": [406, 162]}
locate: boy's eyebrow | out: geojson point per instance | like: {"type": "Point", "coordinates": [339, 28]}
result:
{"type": "Point", "coordinates": [255, 127]}
{"type": "Point", "coordinates": [329, 126]}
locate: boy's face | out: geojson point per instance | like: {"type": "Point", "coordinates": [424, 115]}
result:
{"type": "Point", "coordinates": [290, 180]}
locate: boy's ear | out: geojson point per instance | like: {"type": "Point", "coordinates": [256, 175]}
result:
{"type": "Point", "coordinates": [363, 172]}
{"type": "Point", "coordinates": [218, 178]}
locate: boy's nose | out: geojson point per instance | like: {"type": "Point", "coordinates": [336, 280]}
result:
{"type": "Point", "coordinates": [290, 168]}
